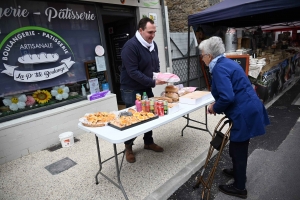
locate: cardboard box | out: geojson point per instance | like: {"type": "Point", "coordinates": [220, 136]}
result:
{"type": "Point", "coordinates": [195, 97]}
{"type": "Point", "coordinates": [174, 109]}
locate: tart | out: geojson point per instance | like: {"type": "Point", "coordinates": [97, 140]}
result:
{"type": "Point", "coordinates": [97, 119]}
{"type": "Point", "coordinates": [131, 110]}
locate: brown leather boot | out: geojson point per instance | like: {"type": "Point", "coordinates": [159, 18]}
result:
{"type": "Point", "coordinates": [153, 147]}
{"type": "Point", "coordinates": [129, 154]}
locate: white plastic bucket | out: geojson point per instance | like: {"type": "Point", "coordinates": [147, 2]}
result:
{"type": "Point", "coordinates": [66, 139]}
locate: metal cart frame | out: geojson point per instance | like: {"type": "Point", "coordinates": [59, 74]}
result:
{"type": "Point", "coordinates": [222, 142]}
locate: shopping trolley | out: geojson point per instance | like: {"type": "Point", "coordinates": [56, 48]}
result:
{"type": "Point", "coordinates": [219, 140]}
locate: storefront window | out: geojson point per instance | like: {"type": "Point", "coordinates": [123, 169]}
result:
{"type": "Point", "coordinates": [43, 47]}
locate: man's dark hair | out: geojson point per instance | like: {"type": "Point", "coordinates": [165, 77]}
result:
{"type": "Point", "coordinates": [143, 22]}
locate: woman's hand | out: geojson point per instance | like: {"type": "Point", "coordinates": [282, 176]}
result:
{"type": "Point", "coordinates": [210, 109]}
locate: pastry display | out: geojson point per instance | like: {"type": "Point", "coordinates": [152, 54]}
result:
{"type": "Point", "coordinates": [97, 119]}
{"type": "Point", "coordinates": [135, 117]}
{"type": "Point", "coordinates": [118, 120]}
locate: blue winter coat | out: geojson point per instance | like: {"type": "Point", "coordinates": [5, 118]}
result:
{"type": "Point", "coordinates": [235, 96]}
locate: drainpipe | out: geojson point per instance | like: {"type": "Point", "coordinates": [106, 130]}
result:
{"type": "Point", "coordinates": [188, 58]}
{"type": "Point", "coordinates": [165, 35]}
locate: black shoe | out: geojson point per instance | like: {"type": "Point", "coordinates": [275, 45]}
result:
{"type": "Point", "coordinates": [231, 190]}
{"type": "Point", "coordinates": [228, 172]}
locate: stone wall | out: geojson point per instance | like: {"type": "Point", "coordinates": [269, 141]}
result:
{"type": "Point", "coordinates": [179, 10]}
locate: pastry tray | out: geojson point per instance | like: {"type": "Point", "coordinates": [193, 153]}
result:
{"type": "Point", "coordinates": [132, 125]}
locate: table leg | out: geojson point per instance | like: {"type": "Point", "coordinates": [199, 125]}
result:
{"type": "Point", "coordinates": [99, 159]}
{"type": "Point", "coordinates": [118, 172]}
{"type": "Point", "coordinates": [189, 119]}
{"type": "Point", "coordinates": [187, 123]}
{"type": "Point", "coordinates": [119, 184]}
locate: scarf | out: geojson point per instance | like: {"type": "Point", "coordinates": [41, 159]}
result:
{"type": "Point", "coordinates": [213, 62]}
{"type": "Point", "coordinates": [143, 42]}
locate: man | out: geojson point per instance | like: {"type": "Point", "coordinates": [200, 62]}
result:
{"type": "Point", "coordinates": [139, 61]}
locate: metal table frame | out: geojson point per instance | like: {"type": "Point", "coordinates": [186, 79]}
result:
{"type": "Point", "coordinates": [143, 128]}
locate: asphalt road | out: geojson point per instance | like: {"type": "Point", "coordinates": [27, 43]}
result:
{"type": "Point", "coordinates": [273, 160]}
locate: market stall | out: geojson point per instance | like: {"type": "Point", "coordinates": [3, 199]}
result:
{"type": "Point", "coordinates": [254, 22]}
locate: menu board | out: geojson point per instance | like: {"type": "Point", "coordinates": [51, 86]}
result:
{"type": "Point", "coordinates": [242, 60]}
{"type": "Point", "coordinates": [91, 72]}
{"type": "Point", "coordinates": [118, 43]}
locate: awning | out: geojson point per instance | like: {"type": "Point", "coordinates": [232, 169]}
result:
{"type": "Point", "coordinates": [243, 13]}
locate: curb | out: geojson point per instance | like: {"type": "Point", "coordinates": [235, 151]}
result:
{"type": "Point", "coordinates": [169, 187]}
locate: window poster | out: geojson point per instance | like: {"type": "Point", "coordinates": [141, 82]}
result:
{"type": "Point", "coordinates": [42, 44]}
{"type": "Point", "coordinates": [153, 16]}
{"type": "Point", "coordinates": [100, 63]}
{"type": "Point", "coordinates": [94, 85]}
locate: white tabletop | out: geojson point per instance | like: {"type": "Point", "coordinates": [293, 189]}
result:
{"type": "Point", "coordinates": [116, 136]}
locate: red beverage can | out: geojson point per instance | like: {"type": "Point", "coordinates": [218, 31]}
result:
{"type": "Point", "coordinates": [161, 108]}
{"type": "Point", "coordinates": [143, 105]}
{"type": "Point", "coordinates": [147, 105]}
{"type": "Point", "coordinates": [156, 107]}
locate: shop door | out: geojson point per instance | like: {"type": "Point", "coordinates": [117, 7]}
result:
{"type": "Point", "coordinates": [117, 33]}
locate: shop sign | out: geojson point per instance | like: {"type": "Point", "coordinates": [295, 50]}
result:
{"type": "Point", "coordinates": [50, 39]}
{"type": "Point", "coordinates": [36, 48]}
{"type": "Point", "coordinates": [150, 3]}
{"type": "Point", "coordinates": [50, 12]}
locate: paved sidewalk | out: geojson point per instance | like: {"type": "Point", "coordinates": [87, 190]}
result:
{"type": "Point", "coordinates": [157, 176]}
{"type": "Point", "coordinates": [27, 178]}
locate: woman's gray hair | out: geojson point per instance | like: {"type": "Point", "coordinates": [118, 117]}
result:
{"type": "Point", "coordinates": [213, 46]}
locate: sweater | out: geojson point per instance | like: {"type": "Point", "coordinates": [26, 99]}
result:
{"type": "Point", "coordinates": [138, 65]}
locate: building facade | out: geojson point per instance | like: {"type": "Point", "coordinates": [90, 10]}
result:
{"type": "Point", "coordinates": [49, 52]}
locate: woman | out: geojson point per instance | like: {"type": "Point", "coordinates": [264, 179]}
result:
{"type": "Point", "coordinates": [236, 98]}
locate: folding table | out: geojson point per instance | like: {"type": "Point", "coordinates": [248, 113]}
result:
{"type": "Point", "coordinates": [116, 136]}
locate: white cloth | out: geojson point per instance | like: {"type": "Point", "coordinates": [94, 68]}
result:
{"type": "Point", "coordinates": [143, 42]}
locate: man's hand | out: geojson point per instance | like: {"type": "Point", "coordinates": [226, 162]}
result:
{"type": "Point", "coordinates": [158, 82]}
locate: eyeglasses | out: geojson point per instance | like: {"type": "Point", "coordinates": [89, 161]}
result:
{"type": "Point", "coordinates": [202, 55]}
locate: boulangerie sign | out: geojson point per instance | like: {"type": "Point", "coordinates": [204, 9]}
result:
{"type": "Point", "coordinates": [44, 44]}
{"type": "Point", "coordinates": [38, 75]}
{"type": "Point", "coordinates": [51, 42]}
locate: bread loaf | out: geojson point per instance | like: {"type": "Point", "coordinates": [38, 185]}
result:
{"type": "Point", "coordinates": [172, 95]}
{"type": "Point", "coordinates": [164, 98]}
{"type": "Point", "coordinates": [171, 91]}
{"type": "Point", "coordinates": [171, 88]}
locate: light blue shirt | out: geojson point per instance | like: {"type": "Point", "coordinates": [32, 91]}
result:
{"type": "Point", "coordinates": [213, 62]}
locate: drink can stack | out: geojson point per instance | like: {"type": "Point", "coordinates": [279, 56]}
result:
{"type": "Point", "coordinates": [152, 106]}
{"type": "Point", "coordinates": [144, 105]}
{"type": "Point", "coordinates": [147, 103]}
{"type": "Point", "coordinates": [161, 108]}
{"type": "Point", "coordinates": [165, 107]}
